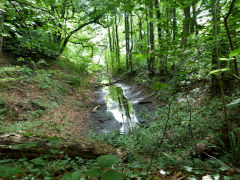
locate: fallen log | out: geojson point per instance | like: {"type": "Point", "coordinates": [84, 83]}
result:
{"type": "Point", "coordinates": [18, 146]}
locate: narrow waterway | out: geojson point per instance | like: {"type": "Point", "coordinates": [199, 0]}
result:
{"type": "Point", "coordinates": [117, 107]}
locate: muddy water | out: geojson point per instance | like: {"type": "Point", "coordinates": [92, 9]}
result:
{"type": "Point", "coordinates": [117, 110]}
{"type": "Point", "coordinates": [121, 108]}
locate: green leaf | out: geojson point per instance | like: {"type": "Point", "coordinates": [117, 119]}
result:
{"type": "Point", "coordinates": [67, 176]}
{"type": "Point", "coordinates": [38, 162]}
{"type": "Point", "coordinates": [9, 171]}
{"type": "Point", "coordinates": [234, 103]}
{"type": "Point", "coordinates": [94, 173]}
{"type": "Point", "coordinates": [218, 71]}
{"type": "Point", "coordinates": [135, 165]}
{"type": "Point", "coordinates": [156, 86]}
{"type": "Point", "coordinates": [106, 161]}
{"type": "Point", "coordinates": [76, 175]}
{"type": "Point", "coordinates": [234, 53]}
{"type": "Point", "coordinates": [226, 59]}
{"type": "Point", "coordinates": [110, 175]}
{"type": "Point", "coordinates": [159, 85]}
{"type": "Point", "coordinates": [187, 168]}
{"type": "Point", "coordinates": [72, 176]}
{"type": "Point", "coordinates": [224, 168]}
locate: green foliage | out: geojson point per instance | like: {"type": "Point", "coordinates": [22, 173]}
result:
{"type": "Point", "coordinates": [159, 85]}
{"type": "Point", "coordinates": [107, 161]}
{"type": "Point", "coordinates": [10, 171]}
{"type": "Point", "coordinates": [234, 103]}
{"type": "Point", "coordinates": [72, 176]}
{"type": "Point", "coordinates": [23, 146]}
{"type": "Point", "coordinates": [110, 174]}
{"type": "Point", "coordinates": [3, 109]}
{"type": "Point", "coordinates": [234, 53]}
{"type": "Point", "coordinates": [94, 173]}
{"type": "Point", "coordinates": [218, 71]}
{"type": "Point", "coordinates": [235, 146]}
{"type": "Point", "coordinates": [204, 120]}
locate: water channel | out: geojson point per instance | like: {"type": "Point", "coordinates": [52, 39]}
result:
{"type": "Point", "coordinates": [117, 107]}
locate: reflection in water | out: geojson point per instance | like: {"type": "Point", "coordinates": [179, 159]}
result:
{"type": "Point", "coordinates": [120, 107]}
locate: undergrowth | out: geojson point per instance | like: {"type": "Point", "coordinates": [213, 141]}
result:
{"type": "Point", "coordinates": [30, 91]}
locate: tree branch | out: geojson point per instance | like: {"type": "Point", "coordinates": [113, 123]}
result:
{"type": "Point", "coordinates": [76, 30]}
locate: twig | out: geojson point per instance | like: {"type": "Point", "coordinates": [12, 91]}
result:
{"type": "Point", "coordinates": [236, 76]}
{"type": "Point", "coordinates": [163, 135]}
{"type": "Point", "coordinates": [233, 168]}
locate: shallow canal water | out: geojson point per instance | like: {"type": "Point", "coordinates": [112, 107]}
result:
{"type": "Point", "coordinates": [120, 107]}
{"type": "Point", "coordinates": [117, 107]}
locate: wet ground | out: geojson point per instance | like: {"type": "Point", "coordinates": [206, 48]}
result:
{"type": "Point", "coordinates": [118, 107]}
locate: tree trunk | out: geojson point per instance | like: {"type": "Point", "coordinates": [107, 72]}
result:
{"type": "Point", "coordinates": [174, 24]}
{"type": "Point", "coordinates": [229, 36]}
{"type": "Point", "coordinates": [215, 51]}
{"type": "Point", "coordinates": [194, 20]}
{"type": "Point", "coordinates": [132, 45]}
{"type": "Point", "coordinates": [117, 43]}
{"type": "Point", "coordinates": [110, 44]}
{"type": "Point", "coordinates": [152, 45]}
{"type": "Point", "coordinates": [127, 38]}
{"type": "Point", "coordinates": [114, 46]}
{"type": "Point", "coordinates": [186, 25]}
{"type": "Point", "coordinates": [17, 146]}
{"type": "Point", "coordinates": [1, 28]}
{"type": "Point", "coordinates": [140, 25]}
{"type": "Point", "coordinates": [158, 15]}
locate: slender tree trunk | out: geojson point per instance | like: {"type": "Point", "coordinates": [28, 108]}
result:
{"type": "Point", "coordinates": [186, 25]}
{"type": "Point", "coordinates": [114, 45]}
{"type": "Point", "coordinates": [1, 28]}
{"type": "Point", "coordinates": [110, 40]}
{"type": "Point", "coordinates": [229, 35]}
{"type": "Point", "coordinates": [194, 24]}
{"type": "Point", "coordinates": [147, 50]}
{"type": "Point", "coordinates": [174, 34]}
{"type": "Point", "coordinates": [158, 15]}
{"type": "Point", "coordinates": [140, 25]}
{"type": "Point", "coordinates": [152, 45]}
{"type": "Point", "coordinates": [117, 43]}
{"type": "Point", "coordinates": [110, 44]}
{"type": "Point", "coordinates": [132, 45]}
{"type": "Point", "coordinates": [174, 24]}
{"type": "Point", "coordinates": [127, 38]}
{"type": "Point", "coordinates": [215, 52]}
{"type": "Point", "coordinates": [113, 38]}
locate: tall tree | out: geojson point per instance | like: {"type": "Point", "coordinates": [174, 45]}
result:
{"type": "Point", "coordinates": [158, 15]}
{"type": "Point", "coordinates": [1, 26]}
{"type": "Point", "coordinates": [127, 37]}
{"type": "Point", "coordinates": [151, 41]}
{"type": "Point", "coordinates": [140, 29]}
{"type": "Point", "coordinates": [131, 44]}
{"type": "Point", "coordinates": [186, 24]}
{"type": "Point", "coordinates": [229, 35]}
{"type": "Point", "coordinates": [194, 24]}
{"type": "Point", "coordinates": [117, 42]}
{"type": "Point", "coordinates": [174, 24]}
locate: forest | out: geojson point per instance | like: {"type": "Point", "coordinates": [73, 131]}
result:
{"type": "Point", "coordinates": [120, 89]}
